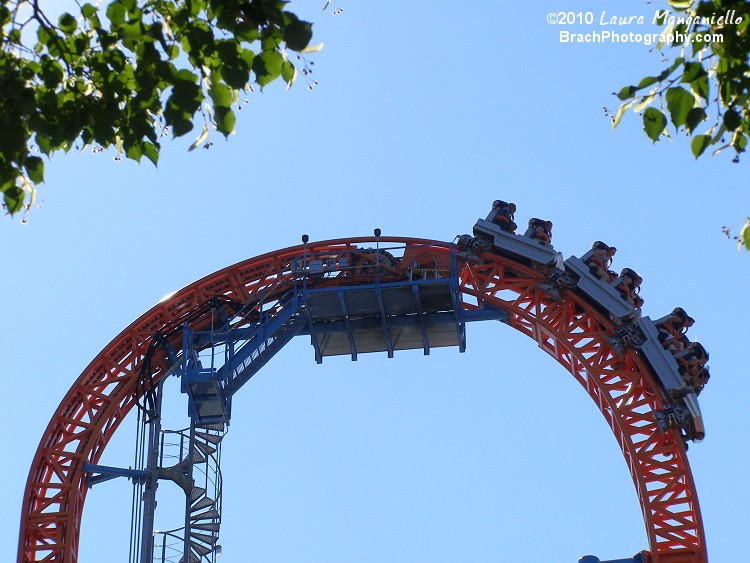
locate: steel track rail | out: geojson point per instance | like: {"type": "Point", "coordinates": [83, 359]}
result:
{"type": "Point", "coordinates": [569, 328]}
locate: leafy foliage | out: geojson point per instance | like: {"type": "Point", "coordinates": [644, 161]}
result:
{"type": "Point", "coordinates": [130, 75]}
{"type": "Point", "coordinates": [705, 90]}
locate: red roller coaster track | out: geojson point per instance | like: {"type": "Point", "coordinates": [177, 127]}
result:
{"type": "Point", "coordinates": [570, 329]}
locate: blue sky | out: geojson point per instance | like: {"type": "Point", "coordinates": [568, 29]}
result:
{"type": "Point", "coordinates": [423, 114]}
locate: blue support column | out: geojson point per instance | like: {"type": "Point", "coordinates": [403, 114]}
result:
{"type": "Point", "coordinates": [349, 334]}
{"type": "Point", "coordinates": [313, 340]}
{"type": "Point", "coordinates": [422, 330]}
{"type": "Point", "coordinates": [386, 331]}
{"type": "Point", "coordinates": [152, 481]}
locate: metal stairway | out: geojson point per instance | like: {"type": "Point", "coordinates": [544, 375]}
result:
{"type": "Point", "coordinates": [245, 351]}
{"type": "Point", "coordinates": [197, 471]}
{"type": "Point", "coordinates": [203, 503]}
{"type": "Point", "coordinates": [271, 336]}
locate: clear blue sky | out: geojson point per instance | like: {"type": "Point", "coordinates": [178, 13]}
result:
{"type": "Point", "coordinates": [424, 113]}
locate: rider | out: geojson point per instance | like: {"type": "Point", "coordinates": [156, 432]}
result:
{"type": "Point", "coordinates": [628, 284]}
{"type": "Point", "coordinates": [541, 230]}
{"type": "Point", "coordinates": [600, 260]}
{"type": "Point", "coordinates": [504, 215]}
{"type": "Point", "coordinates": [672, 330]}
{"type": "Point", "coordinates": [691, 363]}
{"type": "Point", "coordinates": [699, 381]}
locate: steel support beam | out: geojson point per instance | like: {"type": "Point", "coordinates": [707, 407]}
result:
{"type": "Point", "coordinates": [347, 324]}
{"type": "Point", "coordinates": [96, 474]}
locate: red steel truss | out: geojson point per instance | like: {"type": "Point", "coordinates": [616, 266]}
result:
{"type": "Point", "coordinates": [564, 325]}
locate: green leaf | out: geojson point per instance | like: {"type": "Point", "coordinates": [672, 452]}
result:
{"type": "Point", "coordinates": [151, 151]}
{"type": "Point", "coordinates": [132, 31]}
{"type": "Point", "coordinates": [679, 103]}
{"type": "Point", "coordinates": [116, 13]}
{"type": "Point", "coordinates": [35, 169]}
{"type": "Point", "coordinates": [52, 72]}
{"type": "Point", "coordinates": [732, 120]}
{"type": "Point", "coordinates": [694, 117]}
{"type": "Point", "coordinates": [236, 76]}
{"type": "Point", "coordinates": [221, 95]}
{"type": "Point", "coordinates": [647, 81]}
{"type": "Point", "coordinates": [699, 144]}
{"type": "Point", "coordinates": [248, 34]}
{"type": "Point", "coordinates": [88, 11]}
{"type": "Point", "coordinates": [185, 75]}
{"type": "Point", "coordinates": [677, 62]}
{"type": "Point", "coordinates": [135, 151]}
{"type": "Point", "coordinates": [67, 23]}
{"type": "Point", "coordinates": [5, 15]}
{"type": "Point", "coordinates": [248, 57]}
{"type": "Point", "coordinates": [43, 142]}
{"type": "Point", "coordinates": [13, 198]}
{"type": "Point", "coordinates": [42, 34]}
{"type": "Point", "coordinates": [181, 126]}
{"type": "Point", "coordinates": [700, 86]}
{"type": "Point", "coordinates": [272, 8]}
{"type": "Point", "coordinates": [626, 92]}
{"type": "Point", "coordinates": [227, 51]}
{"type": "Point", "coordinates": [267, 67]}
{"type": "Point", "coordinates": [225, 120]}
{"type": "Point", "coordinates": [654, 123]}
{"type": "Point", "coordinates": [288, 72]}
{"type": "Point", "coordinates": [186, 96]}
{"type": "Point", "coordinates": [196, 6]}
{"type": "Point", "coordinates": [739, 142]}
{"type": "Point", "coordinates": [693, 70]}
{"type": "Point", "coordinates": [297, 35]}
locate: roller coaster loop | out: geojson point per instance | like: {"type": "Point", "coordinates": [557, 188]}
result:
{"type": "Point", "coordinates": [564, 324]}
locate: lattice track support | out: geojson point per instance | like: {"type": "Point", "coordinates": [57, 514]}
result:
{"type": "Point", "coordinates": [621, 387]}
{"type": "Point", "coordinates": [565, 326]}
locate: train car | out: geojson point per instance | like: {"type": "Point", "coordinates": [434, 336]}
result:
{"type": "Point", "coordinates": [603, 295]}
{"type": "Point", "coordinates": [687, 411]}
{"type": "Point", "coordinates": [529, 251]}
{"type": "Point", "coordinates": [684, 410]}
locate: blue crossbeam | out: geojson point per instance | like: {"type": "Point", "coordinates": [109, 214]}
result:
{"type": "Point", "coordinates": [96, 474]}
